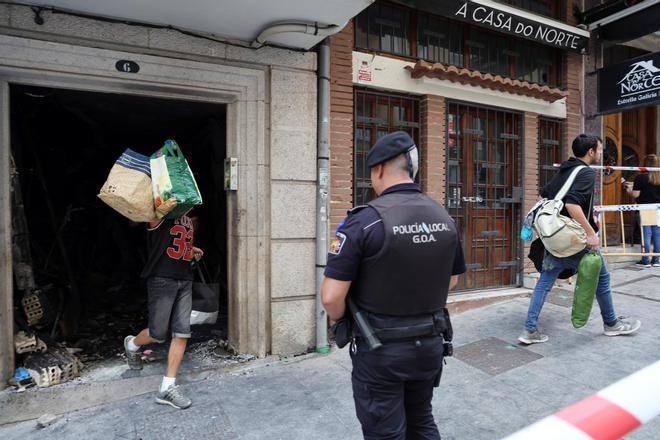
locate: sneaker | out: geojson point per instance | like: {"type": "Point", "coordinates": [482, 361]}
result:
{"type": "Point", "coordinates": [641, 263]}
{"type": "Point", "coordinates": [534, 337]}
{"type": "Point", "coordinates": [172, 396]}
{"type": "Point", "coordinates": [133, 358]}
{"type": "Point", "coordinates": [656, 264]}
{"type": "Point", "coordinates": [622, 326]}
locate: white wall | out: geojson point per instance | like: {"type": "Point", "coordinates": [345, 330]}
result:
{"type": "Point", "coordinates": [390, 74]}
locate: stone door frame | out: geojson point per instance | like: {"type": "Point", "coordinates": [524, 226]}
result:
{"type": "Point", "coordinates": [242, 90]}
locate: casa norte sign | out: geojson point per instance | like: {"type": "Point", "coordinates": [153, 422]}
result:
{"type": "Point", "coordinates": [634, 83]}
{"type": "Point", "coordinates": [512, 21]}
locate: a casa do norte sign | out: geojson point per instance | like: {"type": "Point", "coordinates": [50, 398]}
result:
{"type": "Point", "coordinates": [635, 83]}
{"type": "Point", "coordinates": [511, 21]}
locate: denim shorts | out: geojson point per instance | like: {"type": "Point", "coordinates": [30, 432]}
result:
{"type": "Point", "coordinates": [170, 304]}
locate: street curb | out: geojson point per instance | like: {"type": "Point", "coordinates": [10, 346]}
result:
{"type": "Point", "coordinates": [73, 396]}
{"type": "Point", "coordinates": [467, 301]}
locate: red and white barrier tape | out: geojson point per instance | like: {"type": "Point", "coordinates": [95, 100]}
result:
{"type": "Point", "coordinates": [607, 415]}
{"type": "Point", "coordinates": [617, 208]}
{"type": "Point", "coordinates": [617, 168]}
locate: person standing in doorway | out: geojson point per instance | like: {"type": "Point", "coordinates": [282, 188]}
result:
{"type": "Point", "coordinates": [646, 189]}
{"type": "Point", "coordinates": [396, 259]}
{"type": "Point", "coordinates": [578, 204]}
{"type": "Point", "coordinates": [169, 276]}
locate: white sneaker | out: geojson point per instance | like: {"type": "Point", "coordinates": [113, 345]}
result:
{"type": "Point", "coordinates": [133, 358]}
{"type": "Point", "coordinates": [173, 396]}
{"type": "Point", "coordinates": [622, 326]}
{"type": "Point", "coordinates": [534, 337]}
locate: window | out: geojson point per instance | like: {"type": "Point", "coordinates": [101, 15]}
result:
{"type": "Point", "coordinates": [550, 149]}
{"type": "Point", "coordinates": [418, 35]}
{"type": "Point", "coordinates": [535, 64]}
{"type": "Point", "coordinates": [439, 40]}
{"type": "Point", "coordinates": [375, 116]}
{"type": "Point", "coordinates": [489, 52]}
{"type": "Point", "coordinates": [384, 28]}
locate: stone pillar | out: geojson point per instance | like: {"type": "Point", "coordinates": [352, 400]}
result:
{"type": "Point", "coordinates": [6, 281]}
{"type": "Point", "coordinates": [293, 201]}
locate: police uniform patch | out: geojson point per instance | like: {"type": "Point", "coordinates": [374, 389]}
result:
{"type": "Point", "coordinates": [337, 244]}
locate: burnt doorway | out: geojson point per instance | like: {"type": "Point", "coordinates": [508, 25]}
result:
{"type": "Point", "coordinates": [86, 257]}
{"type": "Point", "coordinates": [484, 191]}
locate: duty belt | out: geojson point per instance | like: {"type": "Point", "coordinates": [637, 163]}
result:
{"type": "Point", "coordinates": [402, 328]}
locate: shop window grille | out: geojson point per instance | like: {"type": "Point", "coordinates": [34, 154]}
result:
{"type": "Point", "coordinates": [377, 114]}
{"type": "Point", "coordinates": [550, 149]}
{"type": "Point", "coordinates": [439, 40]}
{"type": "Point", "coordinates": [384, 28]}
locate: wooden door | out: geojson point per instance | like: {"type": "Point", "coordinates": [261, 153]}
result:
{"type": "Point", "coordinates": [612, 179]}
{"type": "Point", "coordinates": [484, 192]}
{"type": "Point", "coordinates": [629, 137]}
{"type": "Point", "coordinates": [637, 140]}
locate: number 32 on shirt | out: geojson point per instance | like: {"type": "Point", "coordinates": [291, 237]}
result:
{"type": "Point", "coordinates": [182, 243]}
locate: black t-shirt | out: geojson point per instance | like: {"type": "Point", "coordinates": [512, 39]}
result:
{"type": "Point", "coordinates": [169, 250]}
{"type": "Point", "coordinates": [581, 192]}
{"type": "Point", "coordinates": [648, 192]}
{"type": "Point", "coordinates": [362, 235]}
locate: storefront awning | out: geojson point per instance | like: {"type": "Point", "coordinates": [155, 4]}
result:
{"type": "Point", "coordinates": [508, 20]}
{"type": "Point", "coordinates": [485, 80]}
{"type": "Point", "coordinates": [630, 23]}
{"type": "Point", "coordinates": [241, 20]}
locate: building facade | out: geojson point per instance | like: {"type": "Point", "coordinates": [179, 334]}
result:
{"type": "Point", "coordinates": [491, 93]}
{"type": "Point", "coordinates": [118, 75]}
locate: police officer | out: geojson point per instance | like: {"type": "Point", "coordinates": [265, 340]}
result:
{"type": "Point", "coordinates": [396, 258]}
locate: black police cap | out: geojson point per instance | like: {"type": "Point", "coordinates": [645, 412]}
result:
{"type": "Point", "coordinates": [388, 147]}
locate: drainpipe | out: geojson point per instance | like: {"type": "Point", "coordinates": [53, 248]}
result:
{"type": "Point", "coordinates": [301, 28]}
{"type": "Point", "coordinates": [323, 156]}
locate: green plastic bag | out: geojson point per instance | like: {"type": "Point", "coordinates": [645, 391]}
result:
{"type": "Point", "coordinates": [173, 183]}
{"type": "Point", "coordinates": [585, 288]}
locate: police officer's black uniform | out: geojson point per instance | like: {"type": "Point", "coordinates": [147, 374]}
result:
{"type": "Point", "coordinates": [399, 251]}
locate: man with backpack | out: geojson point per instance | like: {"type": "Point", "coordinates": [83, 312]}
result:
{"type": "Point", "coordinates": [578, 206]}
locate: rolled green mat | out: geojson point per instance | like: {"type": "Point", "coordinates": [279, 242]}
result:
{"type": "Point", "coordinates": [585, 288]}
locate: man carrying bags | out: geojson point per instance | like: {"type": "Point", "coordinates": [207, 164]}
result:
{"type": "Point", "coordinates": [169, 271]}
{"type": "Point", "coordinates": [169, 276]}
{"type": "Point", "coordinates": [578, 205]}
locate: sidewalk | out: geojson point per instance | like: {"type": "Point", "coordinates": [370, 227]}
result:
{"type": "Point", "coordinates": [490, 388]}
